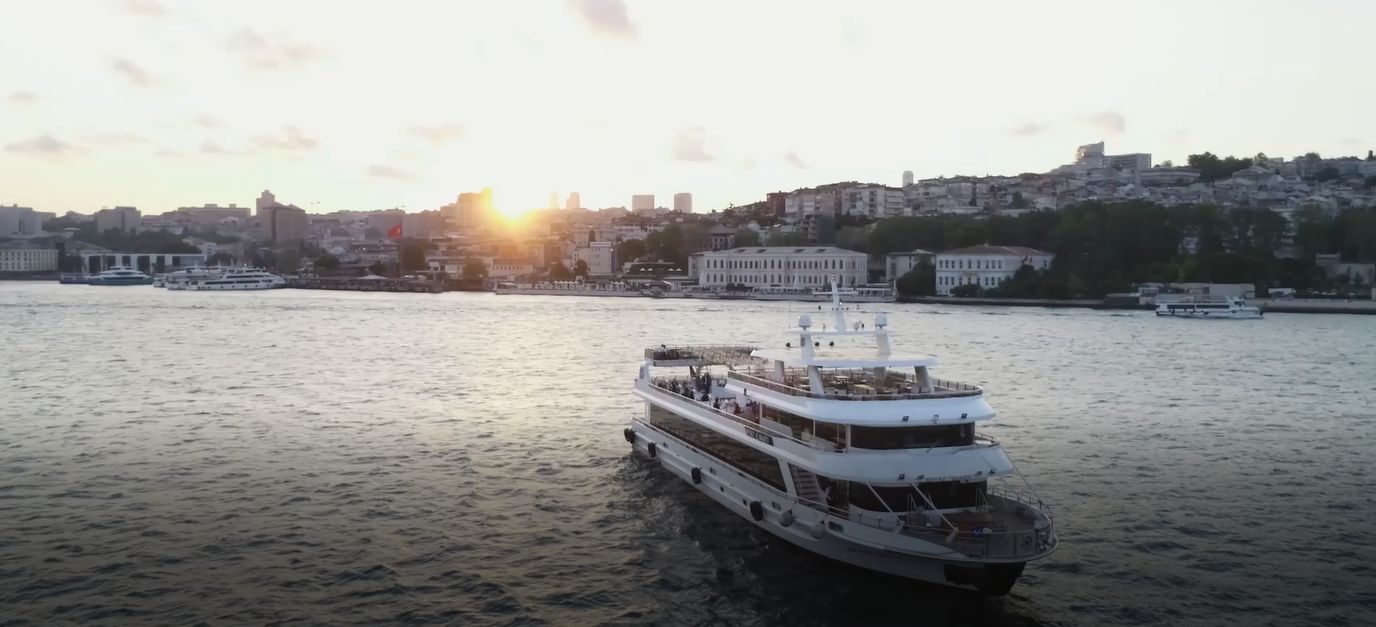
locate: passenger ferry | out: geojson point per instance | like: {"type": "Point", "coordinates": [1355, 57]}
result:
{"type": "Point", "coordinates": [841, 446]}
{"type": "Point", "coordinates": [1231, 309]}
{"type": "Point", "coordinates": [246, 279]}
{"type": "Point", "coordinates": [182, 279]}
{"type": "Point", "coordinates": [120, 276]}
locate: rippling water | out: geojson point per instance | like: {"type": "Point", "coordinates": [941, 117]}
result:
{"type": "Point", "coordinates": [319, 457]}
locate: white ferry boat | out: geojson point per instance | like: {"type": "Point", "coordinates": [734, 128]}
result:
{"type": "Point", "coordinates": [1231, 309]}
{"type": "Point", "coordinates": [120, 276]}
{"type": "Point", "coordinates": [837, 444]}
{"type": "Point", "coordinates": [182, 279]}
{"type": "Point", "coordinates": [246, 279]}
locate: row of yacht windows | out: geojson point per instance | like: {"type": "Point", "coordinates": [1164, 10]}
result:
{"type": "Point", "coordinates": [873, 438]}
{"type": "Point", "coordinates": [943, 494]}
{"type": "Point", "coordinates": [741, 456]}
{"type": "Point", "coordinates": [780, 264]}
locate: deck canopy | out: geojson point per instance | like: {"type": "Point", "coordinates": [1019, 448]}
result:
{"type": "Point", "coordinates": [845, 357]}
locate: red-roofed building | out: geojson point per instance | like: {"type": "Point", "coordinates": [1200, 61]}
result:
{"type": "Point", "coordinates": [985, 265]}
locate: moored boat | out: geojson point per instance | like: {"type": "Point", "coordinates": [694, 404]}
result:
{"type": "Point", "coordinates": [120, 276]}
{"type": "Point", "coordinates": [1230, 309]}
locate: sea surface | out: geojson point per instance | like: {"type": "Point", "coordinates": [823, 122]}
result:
{"type": "Point", "coordinates": [341, 458]}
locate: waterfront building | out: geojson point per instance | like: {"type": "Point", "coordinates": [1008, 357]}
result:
{"type": "Point", "coordinates": [683, 202]}
{"type": "Point", "coordinates": [899, 264]}
{"type": "Point", "coordinates": [985, 265]}
{"type": "Point", "coordinates": [126, 219]}
{"type": "Point", "coordinates": [25, 256]}
{"type": "Point", "coordinates": [16, 221]}
{"type": "Point", "coordinates": [782, 266]}
{"type": "Point", "coordinates": [600, 257]}
{"type": "Point", "coordinates": [96, 261]}
{"type": "Point", "coordinates": [574, 202]}
{"type": "Point", "coordinates": [643, 202]}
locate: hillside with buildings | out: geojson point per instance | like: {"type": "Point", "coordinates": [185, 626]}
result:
{"type": "Point", "coordinates": [1101, 223]}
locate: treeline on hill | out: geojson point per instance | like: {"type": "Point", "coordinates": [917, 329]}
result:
{"type": "Point", "coordinates": [1108, 247]}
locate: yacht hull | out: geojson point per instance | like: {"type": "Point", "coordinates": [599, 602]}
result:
{"type": "Point", "coordinates": [804, 527]}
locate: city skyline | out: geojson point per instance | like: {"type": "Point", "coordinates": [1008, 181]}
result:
{"type": "Point", "coordinates": [160, 104]}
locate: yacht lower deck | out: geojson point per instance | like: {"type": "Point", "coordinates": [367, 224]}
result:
{"type": "Point", "coordinates": [850, 537]}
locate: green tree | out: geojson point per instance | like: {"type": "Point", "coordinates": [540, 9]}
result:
{"type": "Point", "coordinates": [474, 270]}
{"type": "Point", "coordinates": [377, 268]}
{"type": "Point", "coordinates": [220, 259]}
{"type": "Point", "coordinates": [372, 233]}
{"type": "Point", "coordinates": [965, 290]}
{"type": "Point", "coordinates": [631, 249]}
{"type": "Point", "coordinates": [1327, 174]}
{"type": "Point", "coordinates": [559, 272]}
{"type": "Point", "coordinates": [288, 260]}
{"type": "Point", "coordinates": [920, 281]}
{"type": "Point", "coordinates": [326, 263]}
{"type": "Point", "coordinates": [580, 268]}
{"type": "Point", "coordinates": [667, 245]}
{"type": "Point", "coordinates": [1211, 168]}
{"type": "Point", "coordinates": [412, 257]}
{"type": "Point", "coordinates": [795, 238]}
{"type": "Point", "coordinates": [1369, 182]}
{"type": "Point", "coordinates": [747, 237]}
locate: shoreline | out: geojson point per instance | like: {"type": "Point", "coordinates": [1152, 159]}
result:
{"type": "Point", "coordinates": [1267, 305]}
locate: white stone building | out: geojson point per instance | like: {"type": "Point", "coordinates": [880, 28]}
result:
{"type": "Point", "coordinates": [600, 257]}
{"type": "Point", "coordinates": [783, 266]}
{"type": "Point", "coordinates": [21, 256]}
{"type": "Point", "coordinates": [985, 265]}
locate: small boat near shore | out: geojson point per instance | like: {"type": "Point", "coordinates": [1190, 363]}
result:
{"type": "Point", "coordinates": [120, 276]}
{"type": "Point", "coordinates": [1233, 308]}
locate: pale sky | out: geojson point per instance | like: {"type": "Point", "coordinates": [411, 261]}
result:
{"type": "Point", "coordinates": [371, 105]}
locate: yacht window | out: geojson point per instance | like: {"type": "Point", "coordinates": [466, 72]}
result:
{"type": "Point", "coordinates": [743, 457]}
{"type": "Point", "coordinates": [886, 438]}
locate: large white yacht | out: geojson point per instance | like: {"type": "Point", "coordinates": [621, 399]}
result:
{"type": "Point", "coordinates": [837, 444]}
{"type": "Point", "coordinates": [1233, 308]}
{"type": "Point", "coordinates": [242, 279]}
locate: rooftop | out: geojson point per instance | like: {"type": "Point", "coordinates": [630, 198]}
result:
{"type": "Point", "coordinates": [987, 249]}
{"type": "Point", "coordinates": [785, 250]}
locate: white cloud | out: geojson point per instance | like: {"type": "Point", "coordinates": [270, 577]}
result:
{"type": "Point", "coordinates": [607, 17]}
{"type": "Point", "coordinates": [690, 145]}
{"type": "Point", "coordinates": [43, 146]}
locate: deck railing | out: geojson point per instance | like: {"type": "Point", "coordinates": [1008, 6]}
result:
{"type": "Point", "coordinates": [940, 389]}
{"type": "Point", "coordinates": [753, 429]}
{"type": "Point", "coordinates": [982, 543]}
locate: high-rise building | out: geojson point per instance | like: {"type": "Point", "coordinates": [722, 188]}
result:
{"type": "Point", "coordinates": [643, 202]}
{"type": "Point", "coordinates": [285, 223]}
{"type": "Point", "coordinates": [574, 202]}
{"type": "Point", "coordinates": [683, 202]}
{"type": "Point", "coordinates": [125, 219]}
{"type": "Point", "coordinates": [907, 178]}
{"type": "Point", "coordinates": [775, 202]}
{"type": "Point", "coordinates": [267, 199]}
{"type": "Point", "coordinates": [16, 221]}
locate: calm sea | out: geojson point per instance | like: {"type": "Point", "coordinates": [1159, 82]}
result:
{"type": "Point", "coordinates": [324, 457]}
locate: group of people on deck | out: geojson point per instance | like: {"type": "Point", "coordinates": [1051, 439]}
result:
{"type": "Point", "coordinates": [700, 389]}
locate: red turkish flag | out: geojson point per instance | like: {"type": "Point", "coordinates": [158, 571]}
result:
{"type": "Point", "coordinates": [394, 232]}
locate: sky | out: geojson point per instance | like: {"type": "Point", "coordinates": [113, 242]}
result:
{"type": "Point", "coordinates": [406, 103]}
